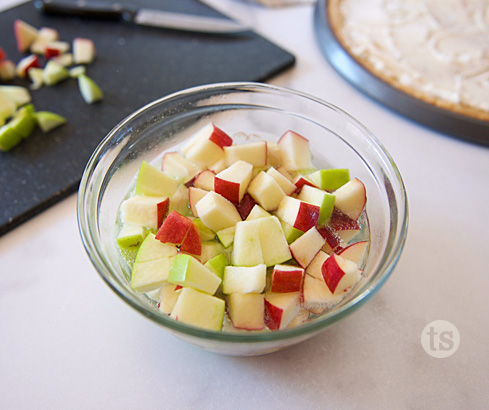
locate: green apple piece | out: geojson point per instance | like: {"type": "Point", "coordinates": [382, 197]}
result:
{"type": "Point", "coordinates": [141, 210]}
{"type": "Point", "coordinates": [330, 179]}
{"type": "Point", "coordinates": [89, 90]}
{"type": "Point", "coordinates": [320, 198]}
{"type": "Point", "coordinates": [152, 249]}
{"type": "Point", "coordinates": [179, 201]}
{"type": "Point", "coordinates": [244, 279]}
{"type": "Point", "coordinates": [9, 138]}
{"type": "Point", "coordinates": [19, 95]}
{"type": "Point", "coordinates": [189, 272]}
{"type": "Point", "coordinates": [153, 182]}
{"type": "Point", "coordinates": [247, 249]}
{"type": "Point", "coordinates": [36, 76]}
{"type": "Point", "coordinates": [217, 264]}
{"type": "Point", "coordinates": [209, 250]}
{"type": "Point", "coordinates": [76, 71]}
{"type": "Point", "coordinates": [274, 246]}
{"type": "Point", "coordinates": [150, 275]}
{"type": "Point", "coordinates": [54, 73]}
{"type": "Point", "coordinates": [291, 233]}
{"type": "Point", "coordinates": [131, 235]}
{"type": "Point", "coordinates": [7, 107]}
{"type": "Point", "coordinates": [206, 234]}
{"type": "Point", "coordinates": [226, 236]}
{"type": "Point", "coordinates": [48, 121]}
{"type": "Point", "coordinates": [199, 309]}
{"type": "Point", "coordinates": [168, 297]}
{"type": "Point", "coordinates": [23, 121]}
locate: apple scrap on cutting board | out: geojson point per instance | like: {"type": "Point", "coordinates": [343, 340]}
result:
{"type": "Point", "coordinates": [133, 66]}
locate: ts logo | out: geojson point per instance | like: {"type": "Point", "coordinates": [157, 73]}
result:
{"type": "Point", "coordinates": [440, 339]}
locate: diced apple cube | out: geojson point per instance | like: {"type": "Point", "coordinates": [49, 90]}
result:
{"type": "Point", "coordinates": [187, 271]}
{"type": "Point", "coordinates": [233, 181]}
{"type": "Point", "coordinates": [216, 212]}
{"type": "Point", "coordinates": [274, 158]}
{"type": "Point", "coordinates": [295, 152]}
{"type": "Point", "coordinates": [178, 167]}
{"type": "Point", "coordinates": [151, 181]}
{"type": "Point", "coordinates": [287, 186]}
{"type": "Point", "coordinates": [301, 215]}
{"type": "Point", "coordinates": [305, 248]}
{"type": "Point", "coordinates": [25, 34]}
{"type": "Point", "coordinates": [355, 252]}
{"type": "Point", "coordinates": [243, 279]}
{"type": "Point", "coordinates": [168, 297]}
{"type": "Point", "coordinates": [286, 278]}
{"type": "Point", "coordinates": [142, 210]}
{"type": "Point", "coordinates": [246, 310]}
{"type": "Point", "coordinates": [83, 50]}
{"type": "Point", "coordinates": [257, 212]}
{"type": "Point", "coordinates": [152, 249]}
{"type": "Point", "coordinates": [280, 309]}
{"type": "Point", "coordinates": [255, 153]}
{"type": "Point", "coordinates": [351, 198]}
{"type": "Point", "coordinates": [339, 274]}
{"type": "Point", "coordinates": [150, 275]}
{"type": "Point", "coordinates": [205, 180]}
{"type": "Point", "coordinates": [330, 179]}
{"type": "Point", "coordinates": [206, 146]}
{"type": "Point", "coordinates": [131, 235]}
{"type": "Point", "coordinates": [321, 198]}
{"type": "Point", "coordinates": [194, 196]}
{"type": "Point", "coordinates": [266, 191]}
{"type": "Point", "coordinates": [247, 250]}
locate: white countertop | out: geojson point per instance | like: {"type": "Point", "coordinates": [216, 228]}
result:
{"type": "Point", "coordinates": [68, 342]}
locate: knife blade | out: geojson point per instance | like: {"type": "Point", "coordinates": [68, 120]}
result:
{"type": "Point", "coordinates": [142, 16]}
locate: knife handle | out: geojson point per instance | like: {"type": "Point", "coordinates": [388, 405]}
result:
{"type": "Point", "coordinates": [94, 9]}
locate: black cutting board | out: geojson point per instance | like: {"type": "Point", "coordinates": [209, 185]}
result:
{"type": "Point", "coordinates": [134, 66]}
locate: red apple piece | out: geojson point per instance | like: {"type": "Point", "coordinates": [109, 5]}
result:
{"type": "Point", "coordinates": [299, 214]}
{"type": "Point", "coordinates": [83, 50]}
{"type": "Point", "coordinates": [339, 274]}
{"type": "Point", "coordinates": [295, 152]}
{"type": "Point", "coordinates": [205, 180]}
{"type": "Point", "coordinates": [194, 196]}
{"type": "Point", "coordinates": [26, 63]}
{"type": "Point", "coordinates": [344, 227]}
{"type": "Point", "coordinates": [286, 278]}
{"type": "Point", "coordinates": [25, 34]}
{"type": "Point", "coordinates": [233, 181]}
{"type": "Point", "coordinates": [351, 198]}
{"type": "Point", "coordinates": [255, 153]}
{"type": "Point", "coordinates": [355, 252]}
{"type": "Point", "coordinates": [305, 248]}
{"type": "Point", "coordinates": [280, 309]}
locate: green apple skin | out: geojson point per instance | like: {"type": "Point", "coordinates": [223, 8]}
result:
{"type": "Point", "coordinates": [89, 90]}
{"type": "Point", "coordinates": [226, 236]}
{"type": "Point", "coordinates": [199, 309]}
{"type": "Point", "coordinates": [131, 235]}
{"type": "Point", "coordinates": [9, 138]}
{"type": "Point", "coordinates": [187, 271]}
{"type": "Point", "coordinates": [321, 198]}
{"type": "Point", "coordinates": [54, 73]}
{"type": "Point", "coordinates": [291, 233]}
{"type": "Point", "coordinates": [151, 181]}
{"type": "Point", "coordinates": [330, 179]}
{"type": "Point", "coordinates": [206, 234]}
{"type": "Point", "coordinates": [217, 264]}
{"type": "Point", "coordinates": [24, 121]}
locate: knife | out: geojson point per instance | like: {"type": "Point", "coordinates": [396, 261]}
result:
{"type": "Point", "coordinates": [142, 16]}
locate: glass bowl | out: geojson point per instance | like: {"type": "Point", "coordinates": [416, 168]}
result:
{"type": "Point", "coordinates": [336, 140]}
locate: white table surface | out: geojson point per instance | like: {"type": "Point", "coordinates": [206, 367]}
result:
{"type": "Point", "coordinates": [68, 342]}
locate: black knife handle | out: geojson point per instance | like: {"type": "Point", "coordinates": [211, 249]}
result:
{"type": "Point", "coordinates": [94, 9]}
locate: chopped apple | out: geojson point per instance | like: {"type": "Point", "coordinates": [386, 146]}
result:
{"type": "Point", "coordinates": [187, 271]}
{"type": "Point", "coordinates": [150, 275]}
{"type": "Point", "coordinates": [9, 138]}
{"type": "Point", "coordinates": [274, 245]}
{"type": "Point", "coordinates": [178, 167]}
{"type": "Point", "coordinates": [36, 77]}
{"type": "Point", "coordinates": [168, 296]}
{"type": "Point", "coordinates": [25, 64]}
{"type": "Point", "coordinates": [351, 198]}
{"type": "Point", "coordinates": [287, 186]}
{"type": "Point", "coordinates": [339, 274]}
{"type": "Point", "coordinates": [305, 248]}
{"type": "Point", "coordinates": [210, 249]}
{"type": "Point", "coordinates": [44, 36]}
{"type": "Point", "coordinates": [205, 180]}
{"type": "Point", "coordinates": [301, 317]}
{"type": "Point", "coordinates": [266, 191]}
{"type": "Point", "coordinates": [7, 70]}
{"type": "Point", "coordinates": [291, 233]}
{"type": "Point", "coordinates": [226, 236]}
{"type": "Point", "coordinates": [89, 90]}
{"type": "Point", "coordinates": [206, 146]}
{"type": "Point", "coordinates": [65, 60]}
{"type": "Point", "coordinates": [274, 158]}
{"type": "Point", "coordinates": [233, 181]}
{"type": "Point", "coordinates": [25, 34]}
{"type": "Point", "coordinates": [179, 201]}
{"type": "Point", "coordinates": [83, 50]}
{"type": "Point", "coordinates": [206, 234]}
{"type": "Point", "coordinates": [23, 121]}
{"type": "Point", "coordinates": [7, 107]}
{"type": "Point", "coordinates": [244, 279]}
{"type": "Point", "coordinates": [19, 95]}
{"type": "Point", "coordinates": [301, 180]}
{"type": "Point", "coordinates": [247, 249]}
{"type": "Point", "coordinates": [316, 296]}
{"type": "Point", "coordinates": [343, 226]}
{"type": "Point", "coordinates": [246, 310]}
{"type": "Point", "coordinates": [199, 309]}
{"type": "Point", "coordinates": [321, 198]}
{"type": "Point", "coordinates": [216, 212]}
{"type": "Point", "coordinates": [48, 121]}
{"type": "Point", "coordinates": [330, 179]}
{"type": "Point", "coordinates": [246, 206]}
{"type": "Point", "coordinates": [131, 235]}
{"type": "Point", "coordinates": [332, 240]}
{"type": "Point", "coordinates": [355, 252]}
{"type": "Point", "coordinates": [254, 153]}
{"type": "Point", "coordinates": [281, 308]}
{"type": "Point", "coordinates": [301, 215]}
{"type": "Point", "coordinates": [152, 249]}
{"type": "Point", "coordinates": [217, 264]}
{"type": "Point", "coordinates": [294, 151]}
{"type": "Point", "coordinates": [142, 210]}
{"type": "Point", "coordinates": [286, 278]}
{"type": "Point", "coordinates": [181, 231]}
{"type": "Point", "coordinates": [257, 212]}
{"type": "Point", "coordinates": [194, 196]}
{"type": "Point", "coordinates": [152, 182]}
{"type": "Point", "coordinates": [217, 166]}
{"type": "Point", "coordinates": [55, 48]}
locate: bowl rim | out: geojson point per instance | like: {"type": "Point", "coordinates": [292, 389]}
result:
{"type": "Point", "coordinates": [331, 316]}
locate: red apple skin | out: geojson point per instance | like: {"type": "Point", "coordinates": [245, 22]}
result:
{"type": "Point", "coordinates": [190, 183]}
{"type": "Point", "coordinates": [192, 243]}
{"type": "Point", "coordinates": [228, 189]}
{"type": "Point", "coordinates": [245, 206]}
{"type": "Point", "coordinates": [204, 180]}
{"type": "Point", "coordinates": [340, 222]}
{"type": "Point", "coordinates": [219, 137]}
{"type": "Point", "coordinates": [174, 229]}
{"type": "Point", "coordinates": [284, 281]}
{"type": "Point", "coordinates": [331, 239]}
{"type": "Point", "coordinates": [273, 316]}
{"type": "Point", "coordinates": [3, 54]}
{"type": "Point", "coordinates": [35, 62]}
{"type": "Point", "coordinates": [50, 52]}
{"type": "Point", "coordinates": [332, 273]}
{"type": "Point", "coordinates": [162, 210]}
{"type": "Point", "coordinates": [307, 217]}
{"type": "Point", "coordinates": [301, 181]}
